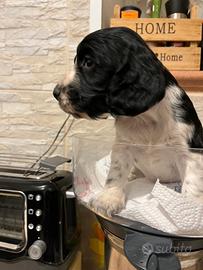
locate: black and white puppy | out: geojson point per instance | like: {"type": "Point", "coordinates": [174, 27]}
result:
{"type": "Point", "coordinates": [117, 73]}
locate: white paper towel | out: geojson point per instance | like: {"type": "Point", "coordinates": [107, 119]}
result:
{"type": "Point", "coordinates": [153, 204]}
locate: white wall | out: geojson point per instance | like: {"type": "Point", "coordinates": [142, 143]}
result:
{"type": "Point", "coordinates": [37, 46]}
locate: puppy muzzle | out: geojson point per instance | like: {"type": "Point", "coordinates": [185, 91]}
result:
{"type": "Point", "coordinates": [60, 93]}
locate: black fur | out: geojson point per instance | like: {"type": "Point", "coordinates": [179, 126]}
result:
{"type": "Point", "coordinates": [189, 116]}
{"type": "Point", "coordinates": [126, 78]}
{"type": "Point", "coordinates": [117, 73]}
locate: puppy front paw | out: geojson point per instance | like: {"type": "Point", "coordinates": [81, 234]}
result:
{"type": "Point", "coordinates": [109, 202]}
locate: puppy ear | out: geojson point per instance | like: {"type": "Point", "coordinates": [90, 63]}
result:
{"type": "Point", "coordinates": [140, 79]}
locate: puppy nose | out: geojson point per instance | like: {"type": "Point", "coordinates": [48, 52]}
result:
{"type": "Point", "coordinates": [57, 91]}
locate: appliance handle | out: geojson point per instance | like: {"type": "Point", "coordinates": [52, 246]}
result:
{"type": "Point", "coordinates": [70, 193]}
{"type": "Point", "coordinates": [150, 252]}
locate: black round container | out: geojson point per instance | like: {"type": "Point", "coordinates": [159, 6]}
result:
{"type": "Point", "coordinates": [147, 248]}
{"type": "Point", "coordinates": [177, 6]}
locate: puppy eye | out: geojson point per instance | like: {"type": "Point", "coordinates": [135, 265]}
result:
{"type": "Point", "coordinates": [87, 63]}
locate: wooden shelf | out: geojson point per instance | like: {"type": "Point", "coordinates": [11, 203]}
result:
{"type": "Point", "coordinates": [190, 80]}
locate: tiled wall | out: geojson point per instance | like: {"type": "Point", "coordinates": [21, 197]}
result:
{"type": "Point", "coordinates": [37, 45]}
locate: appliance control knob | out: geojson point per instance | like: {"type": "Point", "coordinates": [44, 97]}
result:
{"type": "Point", "coordinates": [37, 249]}
{"type": "Point", "coordinates": [30, 226]}
{"type": "Point", "coordinates": [38, 228]}
{"type": "Point", "coordinates": [38, 197]}
{"type": "Point", "coordinates": [30, 197]}
{"type": "Point", "coordinates": [38, 212]}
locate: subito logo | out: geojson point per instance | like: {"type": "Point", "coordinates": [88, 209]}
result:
{"type": "Point", "coordinates": [147, 249]}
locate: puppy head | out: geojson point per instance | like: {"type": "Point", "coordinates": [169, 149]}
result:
{"type": "Point", "coordinates": [116, 73]}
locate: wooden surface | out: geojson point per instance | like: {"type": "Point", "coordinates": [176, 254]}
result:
{"type": "Point", "coordinates": [120, 262]}
{"type": "Point", "coordinates": [76, 264]}
{"type": "Point", "coordinates": [163, 29]}
{"type": "Point", "coordinates": [190, 80]}
{"type": "Point", "coordinates": [179, 58]}
{"type": "Point", "coordinates": [153, 30]}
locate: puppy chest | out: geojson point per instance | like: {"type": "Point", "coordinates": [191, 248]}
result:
{"type": "Point", "coordinates": [146, 134]}
{"type": "Point", "coordinates": [155, 163]}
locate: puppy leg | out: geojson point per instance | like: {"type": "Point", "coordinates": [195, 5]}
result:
{"type": "Point", "coordinates": [190, 168]}
{"type": "Point", "coordinates": [193, 180]}
{"type": "Point", "coordinates": [112, 199]}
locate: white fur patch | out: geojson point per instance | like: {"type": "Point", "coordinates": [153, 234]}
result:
{"type": "Point", "coordinates": [161, 152]}
{"type": "Point", "coordinates": [69, 77]}
{"type": "Point", "coordinates": [109, 202]}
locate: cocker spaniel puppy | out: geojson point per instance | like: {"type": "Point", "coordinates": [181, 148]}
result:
{"type": "Point", "coordinates": [117, 73]}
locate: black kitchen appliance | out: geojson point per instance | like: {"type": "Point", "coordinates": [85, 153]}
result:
{"type": "Point", "coordinates": [38, 228]}
{"type": "Point", "coordinates": [147, 248]}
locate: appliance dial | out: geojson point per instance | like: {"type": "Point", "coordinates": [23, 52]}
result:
{"type": "Point", "coordinates": [38, 197]}
{"type": "Point", "coordinates": [30, 226]}
{"type": "Point", "coordinates": [38, 228]}
{"type": "Point", "coordinates": [37, 249]}
{"type": "Point", "coordinates": [30, 197]}
{"type": "Point", "coordinates": [38, 212]}
{"type": "Point", "coordinates": [30, 211]}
